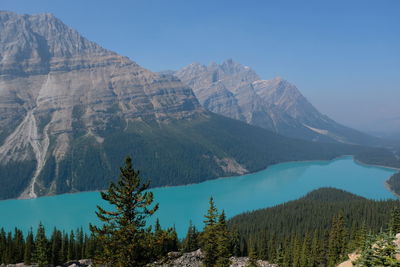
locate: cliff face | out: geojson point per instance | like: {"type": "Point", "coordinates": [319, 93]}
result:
{"type": "Point", "coordinates": [56, 85]}
{"type": "Point", "coordinates": [70, 111]}
{"type": "Point", "coordinates": [236, 91]}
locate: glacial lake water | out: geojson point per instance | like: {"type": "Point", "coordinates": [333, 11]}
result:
{"type": "Point", "coordinates": [178, 205]}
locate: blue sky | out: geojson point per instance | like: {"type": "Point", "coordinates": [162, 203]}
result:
{"type": "Point", "coordinates": [343, 55]}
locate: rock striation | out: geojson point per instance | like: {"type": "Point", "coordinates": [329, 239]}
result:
{"type": "Point", "coordinates": [55, 83]}
{"type": "Point", "coordinates": [236, 91]}
{"type": "Point", "coordinates": [70, 111]}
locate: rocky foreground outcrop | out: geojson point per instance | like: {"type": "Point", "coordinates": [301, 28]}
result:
{"type": "Point", "coordinates": [194, 259]}
{"type": "Point", "coordinates": [80, 263]}
{"type": "Point", "coordinates": [173, 259]}
{"type": "Point", "coordinates": [354, 256]}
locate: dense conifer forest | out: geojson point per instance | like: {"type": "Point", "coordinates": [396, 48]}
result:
{"type": "Point", "coordinates": [394, 183]}
{"type": "Point", "coordinates": [177, 153]}
{"type": "Point", "coordinates": [319, 229]}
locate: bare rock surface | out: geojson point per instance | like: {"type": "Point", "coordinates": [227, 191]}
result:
{"type": "Point", "coordinates": [194, 259]}
{"type": "Point", "coordinates": [54, 82]}
{"type": "Point", "coordinates": [236, 91]}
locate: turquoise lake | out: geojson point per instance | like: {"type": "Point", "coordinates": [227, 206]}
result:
{"type": "Point", "coordinates": [178, 205]}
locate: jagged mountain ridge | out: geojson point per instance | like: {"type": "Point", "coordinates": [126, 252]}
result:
{"type": "Point", "coordinates": [70, 111]}
{"type": "Point", "coordinates": [55, 82]}
{"type": "Point", "coordinates": [236, 91]}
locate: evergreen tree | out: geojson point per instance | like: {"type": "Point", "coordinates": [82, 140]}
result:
{"type": "Point", "coordinates": [394, 223]}
{"type": "Point", "coordinates": [296, 251]}
{"type": "Point", "coordinates": [90, 247]}
{"type": "Point", "coordinates": [79, 248]}
{"type": "Point", "coordinates": [315, 250]}
{"type": "Point", "coordinates": [280, 259]}
{"type": "Point", "coordinates": [209, 236]}
{"type": "Point", "coordinates": [235, 243]}
{"type": "Point", "coordinates": [359, 239]}
{"type": "Point", "coordinates": [191, 242]}
{"type": "Point", "coordinates": [41, 251]}
{"type": "Point", "coordinates": [172, 240]}
{"type": "Point", "coordinates": [3, 245]}
{"type": "Point", "coordinates": [29, 248]}
{"type": "Point", "coordinates": [379, 251]}
{"type": "Point", "coordinates": [157, 227]}
{"type": "Point", "coordinates": [337, 240]}
{"type": "Point", "coordinates": [71, 247]}
{"type": "Point", "coordinates": [223, 242]}
{"type": "Point", "coordinates": [18, 245]}
{"type": "Point", "coordinates": [306, 256]}
{"type": "Point", "coordinates": [56, 243]}
{"type": "Point", "coordinates": [272, 247]}
{"type": "Point", "coordinates": [9, 250]}
{"type": "Point", "coordinates": [252, 258]}
{"type": "Point", "coordinates": [164, 241]}
{"type": "Point", "coordinates": [123, 234]}
{"type": "Point", "coordinates": [64, 247]}
{"type": "Point", "coordinates": [159, 239]}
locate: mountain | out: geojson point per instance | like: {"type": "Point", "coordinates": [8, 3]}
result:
{"type": "Point", "coordinates": [236, 91]}
{"type": "Point", "coordinates": [70, 111]}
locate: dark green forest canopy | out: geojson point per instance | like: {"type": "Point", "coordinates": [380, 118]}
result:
{"type": "Point", "coordinates": [320, 228]}
{"type": "Point", "coordinates": [315, 211]}
{"type": "Point", "coordinates": [328, 223]}
{"type": "Point", "coordinates": [394, 183]}
{"type": "Point", "coordinates": [175, 153]}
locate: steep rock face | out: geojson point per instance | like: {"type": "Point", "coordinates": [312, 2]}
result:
{"type": "Point", "coordinates": [70, 111]}
{"type": "Point", "coordinates": [55, 85]}
{"type": "Point", "coordinates": [236, 91]}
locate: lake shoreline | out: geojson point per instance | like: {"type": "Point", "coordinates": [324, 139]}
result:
{"type": "Point", "coordinates": [389, 187]}
{"type": "Point", "coordinates": [234, 176]}
{"type": "Point", "coordinates": [273, 186]}
{"type": "Point", "coordinates": [375, 165]}
{"type": "Point", "coordinates": [180, 185]}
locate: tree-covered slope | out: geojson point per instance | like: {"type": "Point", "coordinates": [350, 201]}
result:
{"type": "Point", "coordinates": [394, 183]}
{"type": "Point", "coordinates": [315, 211]}
{"type": "Point", "coordinates": [70, 111]}
{"type": "Point", "coordinates": [319, 229]}
{"type": "Point", "coordinates": [173, 153]}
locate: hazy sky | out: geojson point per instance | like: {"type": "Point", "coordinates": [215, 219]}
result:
{"type": "Point", "coordinates": [344, 56]}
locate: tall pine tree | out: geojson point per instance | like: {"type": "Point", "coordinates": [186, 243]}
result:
{"type": "Point", "coordinates": [191, 243]}
{"type": "Point", "coordinates": [209, 236]}
{"type": "Point", "coordinates": [224, 242]}
{"type": "Point", "coordinates": [41, 251]}
{"type": "Point", "coordinates": [29, 248]}
{"type": "Point", "coordinates": [394, 223]}
{"type": "Point", "coordinates": [337, 240]}
{"type": "Point", "coordinates": [123, 234]}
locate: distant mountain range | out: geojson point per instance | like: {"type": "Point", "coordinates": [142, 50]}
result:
{"type": "Point", "coordinates": [70, 111]}
{"type": "Point", "coordinates": [237, 92]}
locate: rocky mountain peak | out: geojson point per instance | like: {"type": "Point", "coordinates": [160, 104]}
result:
{"type": "Point", "coordinates": [49, 31]}
{"type": "Point", "coordinates": [236, 91]}
{"type": "Point", "coordinates": [56, 86]}
{"type": "Point", "coordinates": [277, 91]}
{"type": "Point", "coordinates": [39, 43]}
